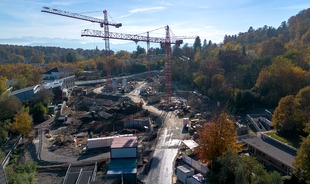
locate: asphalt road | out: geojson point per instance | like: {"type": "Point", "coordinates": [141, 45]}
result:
{"type": "Point", "coordinates": [170, 137]}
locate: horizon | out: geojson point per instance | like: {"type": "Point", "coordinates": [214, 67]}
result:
{"type": "Point", "coordinates": [209, 20]}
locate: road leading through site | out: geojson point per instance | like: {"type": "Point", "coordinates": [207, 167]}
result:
{"type": "Point", "coordinates": [169, 138]}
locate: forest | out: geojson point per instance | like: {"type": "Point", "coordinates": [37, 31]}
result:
{"type": "Point", "coordinates": [263, 67]}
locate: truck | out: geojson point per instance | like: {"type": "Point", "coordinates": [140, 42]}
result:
{"type": "Point", "coordinates": [51, 109]}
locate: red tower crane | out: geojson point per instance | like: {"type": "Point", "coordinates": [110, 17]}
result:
{"type": "Point", "coordinates": [103, 23]}
{"type": "Point", "coordinates": [106, 35]}
{"type": "Point", "coordinates": [166, 41]}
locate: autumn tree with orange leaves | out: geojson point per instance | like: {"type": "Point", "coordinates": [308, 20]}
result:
{"type": "Point", "coordinates": [216, 137]}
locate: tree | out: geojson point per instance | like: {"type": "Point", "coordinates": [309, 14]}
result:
{"type": "Point", "coordinates": [197, 45]}
{"type": "Point", "coordinates": [38, 112]}
{"type": "Point", "coordinates": [286, 118]}
{"type": "Point", "coordinates": [3, 84]}
{"type": "Point", "coordinates": [216, 138]}
{"type": "Point", "coordinates": [303, 98]}
{"type": "Point", "coordinates": [140, 50]}
{"type": "Point", "coordinates": [219, 89]}
{"type": "Point", "coordinates": [302, 161]}
{"type": "Point", "coordinates": [9, 106]}
{"type": "Point", "coordinates": [280, 79]}
{"type": "Point", "coordinates": [22, 173]}
{"type": "Point", "coordinates": [22, 123]}
{"type": "Point", "coordinates": [245, 99]}
{"type": "Point", "coordinates": [243, 170]}
{"type": "Point", "coordinates": [45, 96]}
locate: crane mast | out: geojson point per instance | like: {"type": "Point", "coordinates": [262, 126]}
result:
{"type": "Point", "coordinates": [103, 23]}
{"type": "Point", "coordinates": [167, 68]}
{"type": "Point", "coordinates": [148, 53]}
{"type": "Point", "coordinates": [166, 41]}
{"type": "Point", "coordinates": [106, 35]}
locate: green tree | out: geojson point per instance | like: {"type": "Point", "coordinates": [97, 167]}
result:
{"type": "Point", "coordinates": [303, 98]}
{"type": "Point", "coordinates": [219, 90]}
{"type": "Point", "coordinates": [245, 99]}
{"type": "Point", "coordinates": [139, 51]}
{"type": "Point", "coordinates": [38, 112]}
{"type": "Point", "coordinates": [243, 170]}
{"type": "Point", "coordinates": [280, 79]}
{"type": "Point", "coordinates": [3, 133]}
{"type": "Point", "coordinates": [286, 118]}
{"type": "Point", "coordinates": [45, 96]}
{"type": "Point", "coordinates": [22, 173]}
{"type": "Point", "coordinates": [302, 161]}
{"type": "Point", "coordinates": [9, 106]}
{"type": "Point", "coordinates": [197, 45]}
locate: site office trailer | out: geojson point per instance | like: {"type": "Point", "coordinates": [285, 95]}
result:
{"type": "Point", "coordinates": [124, 147]}
{"type": "Point", "coordinates": [130, 152]}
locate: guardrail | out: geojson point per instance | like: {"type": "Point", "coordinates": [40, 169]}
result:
{"type": "Point", "coordinates": [253, 122]}
{"type": "Point", "coordinates": [7, 157]}
{"type": "Point", "coordinates": [67, 173]}
{"type": "Point", "coordinates": [79, 177]}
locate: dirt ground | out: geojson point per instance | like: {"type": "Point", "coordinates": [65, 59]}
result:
{"type": "Point", "coordinates": [69, 144]}
{"type": "Point", "coordinates": [52, 177]}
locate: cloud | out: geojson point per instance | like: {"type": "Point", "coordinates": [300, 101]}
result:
{"type": "Point", "coordinates": [140, 10]}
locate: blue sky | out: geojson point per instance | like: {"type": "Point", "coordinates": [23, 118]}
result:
{"type": "Point", "coordinates": [22, 21]}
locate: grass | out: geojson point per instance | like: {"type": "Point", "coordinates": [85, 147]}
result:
{"type": "Point", "coordinates": [294, 141]}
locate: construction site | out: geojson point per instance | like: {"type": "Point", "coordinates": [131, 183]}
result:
{"type": "Point", "coordinates": [116, 130]}
{"type": "Point", "coordinates": [83, 129]}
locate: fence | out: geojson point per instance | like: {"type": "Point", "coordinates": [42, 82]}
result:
{"type": "Point", "coordinates": [195, 164]}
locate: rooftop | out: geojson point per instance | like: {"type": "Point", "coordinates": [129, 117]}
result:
{"type": "Point", "coordinates": [60, 69]}
{"type": "Point", "coordinates": [191, 144]}
{"type": "Point", "coordinates": [125, 142]}
{"type": "Point", "coordinates": [272, 151]}
{"type": "Point", "coordinates": [185, 168]}
{"type": "Point", "coordinates": [31, 88]}
{"type": "Point", "coordinates": [122, 166]}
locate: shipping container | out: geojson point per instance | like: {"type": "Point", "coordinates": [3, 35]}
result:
{"type": "Point", "coordinates": [184, 172]}
{"type": "Point", "coordinates": [101, 142]}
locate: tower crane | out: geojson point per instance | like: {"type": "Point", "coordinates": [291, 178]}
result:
{"type": "Point", "coordinates": [103, 23]}
{"type": "Point", "coordinates": [106, 35]}
{"type": "Point", "coordinates": [166, 41]}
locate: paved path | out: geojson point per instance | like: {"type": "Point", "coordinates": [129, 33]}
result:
{"type": "Point", "coordinates": [170, 137]}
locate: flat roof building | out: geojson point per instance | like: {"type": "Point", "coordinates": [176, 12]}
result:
{"type": "Point", "coordinates": [271, 155]}
{"type": "Point", "coordinates": [124, 147]}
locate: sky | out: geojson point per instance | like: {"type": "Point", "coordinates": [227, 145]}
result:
{"type": "Point", "coordinates": [23, 23]}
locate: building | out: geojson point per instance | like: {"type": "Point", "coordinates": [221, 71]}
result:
{"type": "Point", "coordinates": [184, 173]}
{"type": "Point", "coordinates": [125, 168]}
{"type": "Point", "coordinates": [26, 93]}
{"type": "Point", "coordinates": [124, 147]}
{"type": "Point", "coordinates": [57, 73]}
{"type": "Point", "coordinates": [272, 153]}
{"type": "Point", "coordinates": [124, 158]}
{"type": "Point", "coordinates": [59, 87]}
